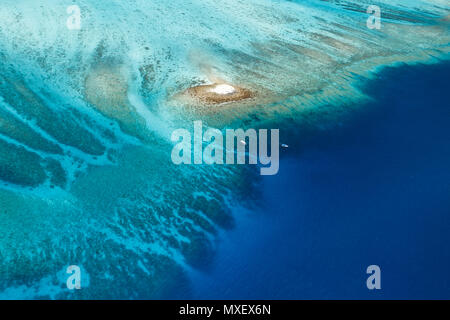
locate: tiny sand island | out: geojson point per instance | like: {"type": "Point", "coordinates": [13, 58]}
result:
{"type": "Point", "coordinates": [218, 93]}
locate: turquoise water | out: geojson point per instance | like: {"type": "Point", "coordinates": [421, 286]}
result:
{"type": "Point", "coordinates": [86, 117]}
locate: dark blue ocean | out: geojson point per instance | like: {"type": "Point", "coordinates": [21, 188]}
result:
{"type": "Point", "coordinates": [373, 191]}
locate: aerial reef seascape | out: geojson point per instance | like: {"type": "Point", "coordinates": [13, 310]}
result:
{"type": "Point", "coordinates": [86, 117]}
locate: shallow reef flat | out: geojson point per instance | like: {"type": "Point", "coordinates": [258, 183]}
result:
{"type": "Point", "coordinates": [86, 117]}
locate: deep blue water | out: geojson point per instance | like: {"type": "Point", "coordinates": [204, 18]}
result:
{"type": "Point", "coordinates": [375, 191]}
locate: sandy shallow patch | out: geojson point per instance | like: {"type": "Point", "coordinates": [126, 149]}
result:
{"type": "Point", "coordinates": [218, 93]}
